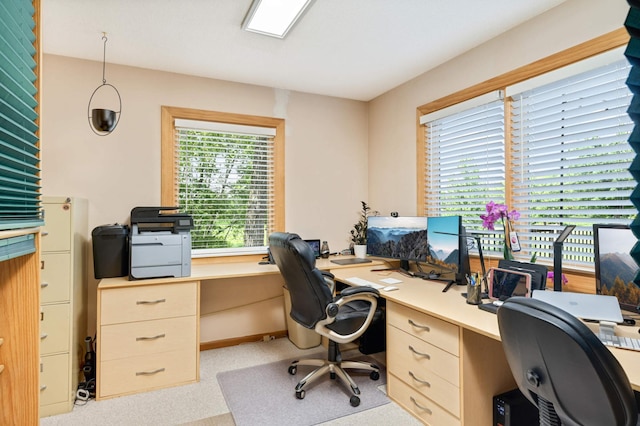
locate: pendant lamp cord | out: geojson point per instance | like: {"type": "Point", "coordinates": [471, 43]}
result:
{"type": "Point", "coordinates": [104, 57]}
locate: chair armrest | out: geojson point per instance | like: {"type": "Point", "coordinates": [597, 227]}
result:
{"type": "Point", "coordinates": [348, 291]}
{"type": "Point", "coordinates": [349, 294]}
{"type": "Point", "coordinates": [329, 280]}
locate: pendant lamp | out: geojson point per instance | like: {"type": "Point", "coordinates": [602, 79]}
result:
{"type": "Point", "coordinates": [103, 121]}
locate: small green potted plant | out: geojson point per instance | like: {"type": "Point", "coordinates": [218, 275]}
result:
{"type": "Point", "coordinates": [359, 231]}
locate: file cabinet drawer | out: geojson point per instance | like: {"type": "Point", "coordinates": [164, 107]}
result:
{"type": "Point", "coordinates": [148, 337]}
{"type": "Point", "coordinates": [148, 302]}
{"type": "Point", "coordinates": [433, 330]}
{"type": "Point", "coordinates": [55, 276]}
{"type": "Point", "coordinates": [143, 373]}
{"type": "Point", "coordinates": [56, 232]}
{"type": "Point", "coordinates": [424, 408]}
{"type": "Point", "coordinates": [427, 369]}
{"type": "Point", "coordinates": [54, 379]}
{"type": "Point", "coordinates": [54, 328]}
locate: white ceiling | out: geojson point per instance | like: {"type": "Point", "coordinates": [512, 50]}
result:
{"type": "Point", "coordinates": [356, 49]}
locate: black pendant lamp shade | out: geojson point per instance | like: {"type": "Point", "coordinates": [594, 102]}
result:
{"type": "Point", "coordinates": [103, 121]}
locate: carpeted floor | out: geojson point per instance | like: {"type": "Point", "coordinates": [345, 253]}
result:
{"type": "Point", "coordinates": [251, 393]}
{"type": "Point", "coordinates": [203, 404]}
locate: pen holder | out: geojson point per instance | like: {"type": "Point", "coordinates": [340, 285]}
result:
{"type": "Point", "coordinates": [474, 294]}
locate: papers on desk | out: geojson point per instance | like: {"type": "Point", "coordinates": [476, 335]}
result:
{"type": "Point", "coordinates": [357, 281]}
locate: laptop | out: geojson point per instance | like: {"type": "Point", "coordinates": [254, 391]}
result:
{"type": "Point", "coordinates": [596, 307]}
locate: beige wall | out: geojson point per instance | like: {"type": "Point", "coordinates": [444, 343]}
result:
{"type": "Point", "coordinates": [392, 116]}
{"type": "Point", "coordinates": [325, 145]}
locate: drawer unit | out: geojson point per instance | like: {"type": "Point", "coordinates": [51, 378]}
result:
{"type": "Point", "coordinates": [423, 364]}
{"type": "Point", "coordinates": [62, 301]}
{"type": "Point", "coordinates": [148, 337]}
{"type": "Point", "coordinates": [428, 369]}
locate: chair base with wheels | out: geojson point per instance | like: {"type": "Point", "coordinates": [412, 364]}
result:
{"type": "Point", "coordinates": [335, 366]}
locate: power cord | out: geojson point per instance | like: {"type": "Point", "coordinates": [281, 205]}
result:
{"type": "Point", "coordinates": [85, 392]}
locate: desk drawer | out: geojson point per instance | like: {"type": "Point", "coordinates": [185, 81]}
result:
{"type": "Point", "coordinates": [54, 328]}
{"type": "Point", "coordinates": [148, 372]}
{"type": "Point", "coordinates": [147, 337]}
{"type": "Point", "coordinates": [436, 378]}
{"type": "Point", "coordinates": [407, 351]}
{"type": "Point", "coordinates": [413, 401]}
{"type": "Point", "coordinates": [148, 302]}
{"type": "Point", "coordinates": [430, 329]}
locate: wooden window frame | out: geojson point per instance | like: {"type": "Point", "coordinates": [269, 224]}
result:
{"type": "Point", "coordinates": [168, 173]}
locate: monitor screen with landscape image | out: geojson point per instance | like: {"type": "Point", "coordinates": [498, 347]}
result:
{"type": "Point", "coordinates": [403, 238]}
{"type": "Point", "coordinates": [615, 269]}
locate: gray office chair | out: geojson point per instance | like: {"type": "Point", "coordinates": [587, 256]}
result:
{"type": "Point", "coordinates": [562, 367]}
{"type": "Point", "coordinates": [341, 319]}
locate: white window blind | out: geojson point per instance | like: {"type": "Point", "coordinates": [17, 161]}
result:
{"type": "Point", "coordinates": [570, 159]}
{"type": "Point", "coordinates": [225, 180]}
{"type": "Point", "coordinates": [465, 164]}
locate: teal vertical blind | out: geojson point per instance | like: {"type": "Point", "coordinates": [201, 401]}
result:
{"type": "Point", "coordinates": [19, 159]}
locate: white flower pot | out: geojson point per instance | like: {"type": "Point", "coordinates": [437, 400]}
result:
{"type": "Point", "coordinates": [360, 250]}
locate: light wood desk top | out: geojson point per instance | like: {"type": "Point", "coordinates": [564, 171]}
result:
{"type": "Point", "coordinates": [213, 271]}
{"type": "Point", "coordinates": [427, 296]}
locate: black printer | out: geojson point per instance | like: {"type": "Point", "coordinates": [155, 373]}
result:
{"type": "Point", "coordinates": [159, 243]}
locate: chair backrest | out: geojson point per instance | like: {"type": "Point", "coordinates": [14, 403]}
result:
{"type": "Point", "coordinates": [309, 292]}
{"type": "Point", "coordinates": [555, 357]}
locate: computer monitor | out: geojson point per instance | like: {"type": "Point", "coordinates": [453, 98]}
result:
{"type": "Point", "coordinates": [403, 238]}
{"type": "Point", "coordinates": [616, 270]}
{"type": "Point", "coordinates": [448, 241]}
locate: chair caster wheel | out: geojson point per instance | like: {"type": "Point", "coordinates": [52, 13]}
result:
{"type": "Point", "coordinates": [375, 375]}
{"type": "Point", "coordinates": [300, 395]}
{"type": "Point", "coordinates": [292, 371]}
{"type": "Point", "coordinates": [354, 401]}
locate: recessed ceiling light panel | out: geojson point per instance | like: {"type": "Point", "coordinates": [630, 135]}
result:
{"type": "Point", "coordinates": [274, 17]}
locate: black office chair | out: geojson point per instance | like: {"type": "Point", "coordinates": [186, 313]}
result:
{"type": "Point", "coordinates": [341, 319]}
{"type": "Point", "coordinates": [562, 367]}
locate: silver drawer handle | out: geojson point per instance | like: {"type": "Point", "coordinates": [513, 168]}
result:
{"type": "Point", "coordinates": [159, 336]}
{"type": "Point", "coordinates": [43, 336]}
{"type": "Point", "coordinates": [424, 382]}
{"type": "Point", "coordinates": [43, 387]}
{"type": "Point", "coordinates": [150, 302]}
{"type": "Point", "coordinates": [424, 327]}
{"type": "Point", "coordinates": [149, 373]}
{"type": "Point", "coordinates": [420, 406]}
{"type": "Point", "coordinates": [427, 356]}
{"type": "Point", "coordinates": [43, 285]}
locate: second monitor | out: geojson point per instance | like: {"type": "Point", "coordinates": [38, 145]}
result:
{"type": "Point", "coordinates": [438, 241]}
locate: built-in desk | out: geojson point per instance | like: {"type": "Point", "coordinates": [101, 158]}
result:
{"type": "Point", "coordinates": [149, 331]}
{"type": "Point", "coordinates": [465, 351]}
